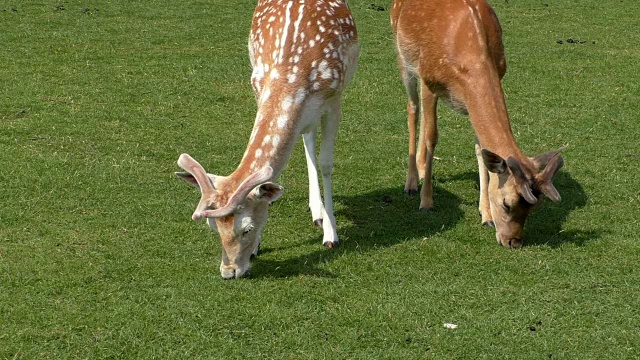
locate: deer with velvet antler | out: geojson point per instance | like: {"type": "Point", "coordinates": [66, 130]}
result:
{"type": "Point", "coordinates": [303, 55]}
{"type": "Point", "coordinates": [452, 50]}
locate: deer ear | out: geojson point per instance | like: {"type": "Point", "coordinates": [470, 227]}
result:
{"type": "Point", "coordinates": [493, 162]}
{"type": "Point", "coordinates": [268, 192]}
{"type": "Point", "coordinates": [188, 178]}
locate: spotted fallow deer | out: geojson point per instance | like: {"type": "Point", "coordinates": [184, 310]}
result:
{"type": "Point", "coordinates": [452, 49]}
{"type": "Point", "coordinates": [303, 55]}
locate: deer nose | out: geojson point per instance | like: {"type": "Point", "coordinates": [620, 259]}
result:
{"type": "Point", "coordinates": [228, 274]}
{"type": "Point", "coordinates": [512, 243]}
{"type": "Point", "coordinates": [509, 241]}
{"type": "Point", "coordinates": [233, 272]}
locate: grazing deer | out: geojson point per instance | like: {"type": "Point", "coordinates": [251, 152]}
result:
{"type": "Point", "coordinates": [452, 49]}
{"type": "Point", "coordinates": [303, 55]}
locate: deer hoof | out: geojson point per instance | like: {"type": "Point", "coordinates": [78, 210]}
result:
{"type": "Point", "coordinates": [411, 192]}
{"type": "Point", "coordinates": [426, 208]}
{"type": "Point", "coordinates": [489, 224]}
{"type": "Point", "coordinates": [318, 223]}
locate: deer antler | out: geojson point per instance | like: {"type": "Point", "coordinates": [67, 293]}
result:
{"type": "Point", "coordinates": [190, 165]}
{"type": "Point", "coordinates": [545, 178]}
{"type": "Point", "coordinates": [521, 180]}
{"type": "Point", "coordinates": [543, 159]}
{"type": "Point", "coordinates": [243, 190]}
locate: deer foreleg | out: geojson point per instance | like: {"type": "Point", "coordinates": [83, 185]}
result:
{"type": "Point", "coordinates": [329, 132]}
{"type": "Point", "coordinates": [413, 111]}
{"type": "Point", "coordinates": [427, 145]}
{"type": "Point", "coordinates": [484, 206]}
{"type": "Point", "coordinates": [315, 201]}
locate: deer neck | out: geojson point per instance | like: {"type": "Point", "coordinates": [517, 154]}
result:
{"type": "Point", "coordinates": [488, 114]}
{"type": "Point", "coordinates": [274, 133]}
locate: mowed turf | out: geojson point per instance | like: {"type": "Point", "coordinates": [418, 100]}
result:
{"type": "Point", "coordinates": [99, 257]}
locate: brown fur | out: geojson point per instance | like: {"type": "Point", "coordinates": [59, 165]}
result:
{"type": "Point", "coordinates": [452, 50]}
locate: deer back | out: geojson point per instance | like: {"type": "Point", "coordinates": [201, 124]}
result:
{"type": "Point", "coordinates": [298, 48]}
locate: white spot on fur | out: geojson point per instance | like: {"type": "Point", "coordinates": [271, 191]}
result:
{"type": "Point", "coordinates": [287, 102]}
{"type": "Point", "coordinates": [265, 95]}
{"type": "Point", "coordinates": [325, 71]}
{"type": "Point", "coordinates": [282, 121]}
{"type": "Point", "coordinates": [287, 21]}
{"type": "Point", "coordinates": [300, 96]}
{"type": "Point", "coordinates": [296, 25]}
{"type": "Point", "coordinates": [266, 140]}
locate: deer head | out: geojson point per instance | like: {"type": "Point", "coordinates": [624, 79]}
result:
{"type": "Point", "coordinates": [237, 212]}
{"type": "Point", "coordinates": [515, 190]}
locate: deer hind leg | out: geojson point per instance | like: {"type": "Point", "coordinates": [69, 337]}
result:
{"type": "Point", "coordinates": [315, 201]}
{"type": "Point", "coordinates": [329, 133]}
{"type": "Point", "coordinates": [413, 111]}
{"type": "Point", "coordinates": [484, 205]}
{"type": "Point", "coordinates": [427, 145]}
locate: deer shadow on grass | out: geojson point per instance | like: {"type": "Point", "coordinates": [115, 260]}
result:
{"type": "Point", "coordinates": [369, 221]}
{"type": "Point", "coordinates": [386, 217]}
{"type": "Point", "coordinates": [544, 225]}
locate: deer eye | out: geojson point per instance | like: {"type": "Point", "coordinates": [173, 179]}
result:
{"type": "Point", "coordinates": [505, 205]}
{"type": "Point", "coordinates": [247, 229]}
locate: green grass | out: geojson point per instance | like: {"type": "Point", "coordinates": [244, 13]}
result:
{"type": "Point", "coordinates": [99, 257]}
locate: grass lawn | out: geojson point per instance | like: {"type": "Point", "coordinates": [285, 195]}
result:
{"type": "Point", "coordinates": [99, 257]}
